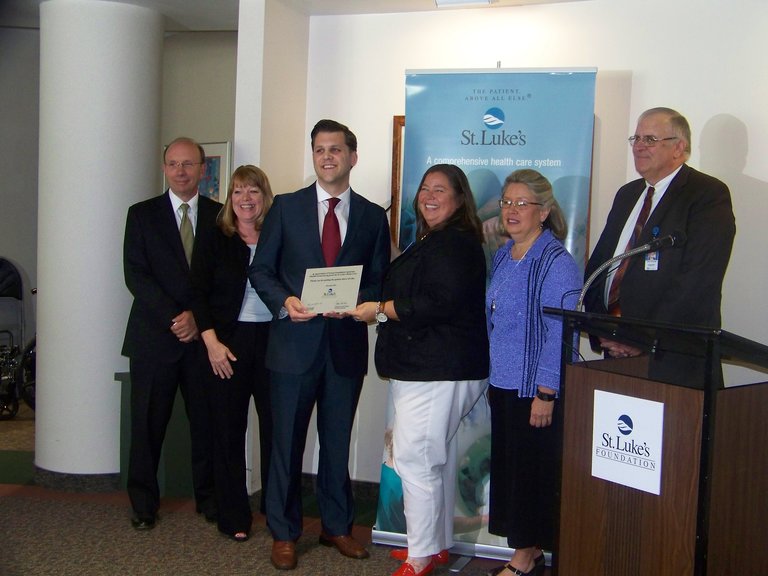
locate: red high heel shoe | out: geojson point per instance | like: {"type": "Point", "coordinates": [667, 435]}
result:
{"type": "Point", "coordinates": [408, 570]}
{"type": "Point", "coordinates": [442, 557]}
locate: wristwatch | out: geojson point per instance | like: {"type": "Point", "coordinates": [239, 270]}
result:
{"type": "Point", "coordinates": [380, 316]}
{"type": "Point", "coordinates": [544, 397]}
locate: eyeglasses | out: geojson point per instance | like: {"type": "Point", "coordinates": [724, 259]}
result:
{"type": "Point", "coordinates": [519, 204]}
{"type": "Point", "coordinates": [649, 141]}
{"type": "Point", "coordinates": [186, 165]}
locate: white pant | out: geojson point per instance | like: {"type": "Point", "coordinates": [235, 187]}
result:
{"type": "Point", "coordinates": [427, 416]}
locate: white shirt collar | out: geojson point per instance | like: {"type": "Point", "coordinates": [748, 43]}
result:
{"type": "Point", "coordinates": [176, 202]}
{"type": "Point", "coordinates": [323, 195]}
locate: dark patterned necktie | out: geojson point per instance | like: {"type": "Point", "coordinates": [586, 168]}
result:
{"type": "Point", "coordinates": [614, 307]}
{"type": "Point", "coordinates": [187, 235]}
{"type": "Point", "coordinates": [331, 240]}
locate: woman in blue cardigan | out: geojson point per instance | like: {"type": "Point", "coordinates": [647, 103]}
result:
{"type": "Point", "coordinates": [531, 271]}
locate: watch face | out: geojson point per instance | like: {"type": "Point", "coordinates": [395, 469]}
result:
{"type": "Point", "coordinates": [381, 317]}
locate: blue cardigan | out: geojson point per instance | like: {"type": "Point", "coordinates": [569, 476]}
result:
{"type": "Point", "coordinates": [525, 343]}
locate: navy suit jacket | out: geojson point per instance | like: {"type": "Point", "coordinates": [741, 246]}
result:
{"type": "Point", "coordinates": [158, 276]}
{"type": "Point", "coordinates": [288, 245]}
{"type": "Point", "coordinates": [687, 287]}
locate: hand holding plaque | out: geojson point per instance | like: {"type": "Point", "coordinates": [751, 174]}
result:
{"type": "Point", "coordinates": [333, 289]}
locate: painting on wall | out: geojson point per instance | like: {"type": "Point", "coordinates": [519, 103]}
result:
{"type": "Point", "coordinates": [215, 181]}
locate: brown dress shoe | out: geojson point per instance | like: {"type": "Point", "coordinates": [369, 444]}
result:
{"type": "Point", "coordinates": [347, 545]}
{"type": "Point", "coordinates": [283, 554]}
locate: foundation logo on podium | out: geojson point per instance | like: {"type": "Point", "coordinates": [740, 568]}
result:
{"type": "Point", "coordinates": [627, 437]}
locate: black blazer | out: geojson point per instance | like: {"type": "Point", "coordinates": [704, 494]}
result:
{"type": "Point", "coordinates": [219, 276]}
{"type": "Point", "coordinates": [687, 287]}
{"type": "Point", "coordinates": [158, 276]}
{"type": "Point", "coordinates": [288, 245]}
{"type": "Point", "coordinates": [438, 289]}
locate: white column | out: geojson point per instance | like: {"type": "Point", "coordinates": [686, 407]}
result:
{"type": "Point", "coordinates": [100, 72]}
{"type": "Point", "coordinates": [247, 150]}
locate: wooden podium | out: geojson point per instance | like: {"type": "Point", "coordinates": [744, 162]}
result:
{"type": "Point", "coordinates": [711, 512]}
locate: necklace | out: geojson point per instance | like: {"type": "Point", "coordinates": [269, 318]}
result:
{"type": "Point", "coordinates": [517, 263]}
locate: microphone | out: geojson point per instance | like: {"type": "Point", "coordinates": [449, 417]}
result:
{"type": "Point", "coordinates": [677, 238]}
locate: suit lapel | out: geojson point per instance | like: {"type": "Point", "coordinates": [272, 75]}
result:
{"type": "Point", "coordinates": [354, 222]}
{"type": "Point", "coordinates": [308, 215]}
{"type": "Point", "coordinates": [673, 194]}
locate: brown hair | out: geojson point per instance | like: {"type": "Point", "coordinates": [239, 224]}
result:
{"type": "Point", "coordinates": [465, 217]}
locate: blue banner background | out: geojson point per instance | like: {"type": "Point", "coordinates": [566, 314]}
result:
{"type": "Point", "coordinates": [494, 122]}
{"type": "Point", "coordinates": [489, 123]}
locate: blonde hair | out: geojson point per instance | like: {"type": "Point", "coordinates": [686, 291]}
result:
{"type": "Point", "coordinates": [248, 175]}
{"type": "Point", "coordinates": [540, 187]}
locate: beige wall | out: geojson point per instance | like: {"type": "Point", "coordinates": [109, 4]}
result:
{"type": "Point", "coordinates": [199, 70]}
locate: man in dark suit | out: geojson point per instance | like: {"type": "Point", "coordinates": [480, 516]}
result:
{"type": "Point", "coordinates": [316, 359]}
{"type": "Point", "coordinates": [681, 284]}
{"type": "Point", "coordinates": [159, 338]}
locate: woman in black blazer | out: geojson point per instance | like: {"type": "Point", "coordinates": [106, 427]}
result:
{"type": "Point", "coordinates": [234, 327]}
{"type": "Point", "coordinates": [433, 345]}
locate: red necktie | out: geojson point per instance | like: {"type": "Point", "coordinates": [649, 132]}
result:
{"type": "Point", "coordinates": [614, 308]}
{"type": "Point", "coordinates": [331, 239]}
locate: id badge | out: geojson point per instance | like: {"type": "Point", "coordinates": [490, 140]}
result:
{"type": "Point", "coordinates": [652, 261]}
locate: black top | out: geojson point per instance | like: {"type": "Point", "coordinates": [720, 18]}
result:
{"type": "Point", "coordinates": [438, 289]}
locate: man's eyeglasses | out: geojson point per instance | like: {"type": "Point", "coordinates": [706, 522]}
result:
{"type": "Point", "coordinates": [649, 141]}
{"type": "Point", "coordinates": [519, 204]}
{"type": "Point", "coordinates": [183, 165]}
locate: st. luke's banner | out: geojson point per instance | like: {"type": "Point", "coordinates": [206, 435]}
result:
{"type": "Point", "coordinates": [492, 123]}
{"type": "Point", "coordinates": [489, 123]}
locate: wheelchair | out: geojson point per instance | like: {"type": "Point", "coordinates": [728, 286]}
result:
{"type": "Point", "coordinates": [17, 365]}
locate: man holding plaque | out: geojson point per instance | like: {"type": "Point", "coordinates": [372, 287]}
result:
{"type": "Point", "coordinates": [313, 358]}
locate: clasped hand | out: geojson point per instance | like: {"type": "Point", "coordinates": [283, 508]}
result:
{"type": "Point", "coordinates": [619, 350]}
{"type": "Point", "coordinates": [184, 327]}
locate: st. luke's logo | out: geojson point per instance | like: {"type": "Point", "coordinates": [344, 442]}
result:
{"type": "Point", "coordinates": [494, 118]}
{"type": "Point", "coordinates": [625, 425]}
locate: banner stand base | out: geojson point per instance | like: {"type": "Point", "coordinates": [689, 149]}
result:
{"type": "Point", "coordinates": [468, 549]}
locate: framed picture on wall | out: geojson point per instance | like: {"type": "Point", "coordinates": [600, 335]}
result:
{"type": "Point", "coordinates": [398, 131]}
{"type": "Point", "coordinates": [215, 181]}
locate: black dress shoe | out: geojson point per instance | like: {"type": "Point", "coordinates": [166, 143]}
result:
{"type": "Point", "coordinates": [143, 522]}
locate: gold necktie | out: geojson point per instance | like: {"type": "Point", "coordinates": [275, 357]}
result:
{"type": "Point", "coordinates": [187, 235]}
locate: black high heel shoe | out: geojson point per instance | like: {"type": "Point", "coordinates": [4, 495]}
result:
{"type": "Point", "coordinates": [539, 565]}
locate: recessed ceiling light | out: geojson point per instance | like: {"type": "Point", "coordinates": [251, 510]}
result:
{"type": "Point", "coordinates": [458, 3]}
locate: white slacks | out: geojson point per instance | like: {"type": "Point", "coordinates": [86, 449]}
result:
{"type": "Point", "coordinates": [427, 417]}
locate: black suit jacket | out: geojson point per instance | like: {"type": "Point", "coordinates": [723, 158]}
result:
{"type": "Point", "coordinates": [158, 276]}
{"type": "Point", "coordinates": [288, 245]}
{"type": "Point", "coordinates": [686, 288]}
{"type": "Point", "coordinates": [438, 289]}
{"type": "Point", "coordinates": [219, 267]}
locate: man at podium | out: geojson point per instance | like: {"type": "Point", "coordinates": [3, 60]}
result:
{"type": "Point", "coordinates": [679, 284]}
